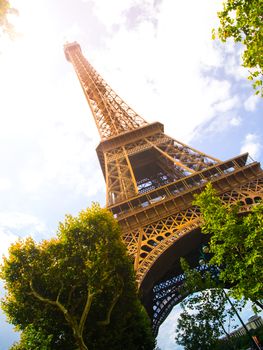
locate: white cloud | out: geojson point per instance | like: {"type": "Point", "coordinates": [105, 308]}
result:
{"type": "Point", "coordinates": [54, 138]}
{"type": "Point", "coordinates": [72, 32]}
{"type": "Point", "coordinates": [232, 62]}
{"type": "Point", "coordinates": [220, 123]}
{"type": "Point", "coordinates": [64, 159]}
{"type": "Point", "coordinates": [14, 225]}
{"type": "Point", "coordinates": [166, 336]}
{"type": "Point", "coordinates": [252, 145]}
{"type": "Point", "coordinates": [5, 184]}
{"type": "Point", "coordinates": [251, 102]}
{"type": "Point", "coordinates": [235, 121]}
{"type": "Point", "coordinates": [222, 113]}
{"type": "Point", "coordinates": [126, 13]}
{"type": "Point", "coordinates": [110, 12]}
{"type": "Point", "coordinates": [227, 104]}
{"type": "Point", "coordinates": [19, 221]}
{"type": "Point", "coordinates": [6, 239]}
{"type": "Point", "coordinates": [171, 72]}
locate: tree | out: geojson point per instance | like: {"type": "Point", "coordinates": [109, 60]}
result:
{"type": "Point", "coordinates": [77, 288]}
{"type": "Point", "coordinates": [242, 20]}
{"type": "Point", "coordinates": [198, 326]}
{"type": "Point", "coordinates": [205, 310]}
{"type": "Point", "coordinates": [236, 244]}
{"type": "Point", "coordinates": [5, 11]}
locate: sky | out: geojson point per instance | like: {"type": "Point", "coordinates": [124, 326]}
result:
{"type": "Point", "coordinates": [158, 56]}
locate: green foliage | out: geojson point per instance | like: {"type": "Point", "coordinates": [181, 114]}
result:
{"type": "Point", "coordinates": [5, 11]}
{"type": "Point", "coordinates": [196, 281]}
{"type": "Point", "coordinates": [33, 339]}
{"type": "Point", "coordinates": [205, 311]}
{"type": "Point", "coordinates": [77, 288]}
{"type": "Point", "coordinates": [236, 244]}
{"type": "Point", "coordinates": [242, 20]}
{"type": "Point", "coordinates": [195, 331]}
{"type": "Point", "coordinates": [202, 321]}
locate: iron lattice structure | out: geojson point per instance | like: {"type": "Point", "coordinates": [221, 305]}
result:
{"type": "Point", "coordinates": [150, 182]}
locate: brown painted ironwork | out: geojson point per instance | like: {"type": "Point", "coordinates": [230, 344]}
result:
{"type": "Point", "coordinates": [151, 179]}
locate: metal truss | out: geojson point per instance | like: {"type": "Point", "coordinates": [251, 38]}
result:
{"type": "Point", "coordinates": [151, 180]}
{"type": "Point", "coordinates": [168, 293]}
{"type": "Point", "coordinates": [148, 163]}
{"type": "Point", "coordinates": [112, 115]}
{"type": "Point", "coordinates": [148, 242]}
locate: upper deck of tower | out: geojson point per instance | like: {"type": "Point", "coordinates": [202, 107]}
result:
{"type": "Point", "coordinates": [74, 46]}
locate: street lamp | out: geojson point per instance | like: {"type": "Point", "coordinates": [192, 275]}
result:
{"type": "Point", "coordinates": [203, 255]}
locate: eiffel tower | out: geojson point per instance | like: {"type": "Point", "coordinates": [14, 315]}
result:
{"type": "Point", "coordinates": [150, 182]}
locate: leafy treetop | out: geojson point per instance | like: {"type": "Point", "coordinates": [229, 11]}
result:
{"type": "Point", "coordinates": [76, 290]}
{"type": "Point", "coordinates": [242, 20]}
{"type": "Point", "coordinates": [236, 244]}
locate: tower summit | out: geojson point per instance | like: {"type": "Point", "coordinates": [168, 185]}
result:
{"type": "Point", "coordinates": [150, 182]}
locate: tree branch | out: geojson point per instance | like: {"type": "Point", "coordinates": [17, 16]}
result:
{"type": "Point", "coordinates": [85, 311]}
{"type": "Point", "coordinates": [40, 297]}
{"type": "Point", "coordinates": [115, 299]}
{"type": "Point", "coordinates": [56, 303]}
{"type": "Point", "coordinates": [77, 329]}
{"type": "Point", "coordinates": [59, 292]}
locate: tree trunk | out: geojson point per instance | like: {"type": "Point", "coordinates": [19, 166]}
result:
{"type": "Point", "coordinates": [80, 342]}
{"type": "Point", "coordinates": [76, 328]}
